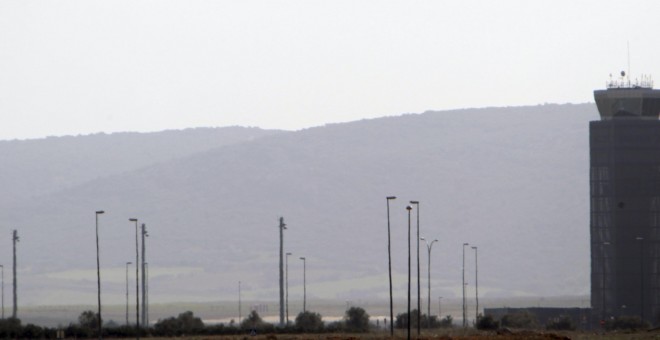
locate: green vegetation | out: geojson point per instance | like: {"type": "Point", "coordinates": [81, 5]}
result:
{"type": "Point", "coordinates": [185, 324]}
{"type": "Point", "coordinates": [426, 321]}
{"type": "Point", "coordinates": [309, 322]}
{"type": "Point", "coordinates": [487, 322]}
{"type": "Point", "coordinates": [357, 320]}
{"type": "Point", "coordinates": [629, 323]}
{"type": "Point", "coordinates": [523, 319]}
{"type": "Point", "coordinates": [562, 323]}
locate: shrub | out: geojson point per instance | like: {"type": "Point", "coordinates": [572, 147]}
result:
{"type": "Point", "coordinates": [447, 322]}
{"type": "Point", "coordinates": [186, 323]}
{"type": "Point", "coordinates": [357, 320]}
{"type": "Point", "coordinates": [626, 323]}
{"type": "Point", "coordinates": [562, 323]}
{"type": "Point", "coordinates": [309, 322]}
{"type": "Point", "coordinates": [523, 319]}
{"type": "Point", "coordinates": [487, 323]}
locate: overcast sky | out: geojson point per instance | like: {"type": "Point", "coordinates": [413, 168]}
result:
{"type": "Point", "coordinates": [80, 67]}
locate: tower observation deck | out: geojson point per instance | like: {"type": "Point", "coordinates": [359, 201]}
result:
{"type": "Point", "coordinates": [625, 202]}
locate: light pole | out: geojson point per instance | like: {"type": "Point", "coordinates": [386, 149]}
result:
{"type": "Point", "coordinates": [239, 304]}
{"type": "Point", "coordinates": [304, 284]}
{"type": "Point", "coordinates": [3, 291]}
{"type": "Point", "coordinates": [282, 228]}
{"type": "Point", "coordinates": [439, 307]}
{"type": "Point", "coordinates": [137, 280]}
{"type": "Point", "coordinates": [476, 284]}
{"type": "Point", "coordinates": [641, 276]}
{"type": "Point", "coordinates": [146, 294]}
{"type": "Point", "coordinates": [98, 272]}
{"type": "Point", "coordinates": [419, 299]}
{"type": "Point", "coordinates": [409, 208]}
{"type": "Point", "coordinates": [287, 287]}
{"type": "Point", "coordinates": [144, 278]}
{"type": "Point", "coordinates": [429, 246]}
{"type": "Point", "coordinates": [127, 264]}
{"type": "Point", "coordinates": [464, 302]}
{"type": "Point", "coordinates": [389, 262]}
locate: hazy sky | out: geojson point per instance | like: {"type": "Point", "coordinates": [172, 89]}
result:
{"type": "Point", "coordinates": [80, 67]}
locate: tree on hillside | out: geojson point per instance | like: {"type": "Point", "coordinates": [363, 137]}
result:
{"type": "Point", "coordinates": [357, 320]}
{"type": "Point", "coordinates": [309, 322]}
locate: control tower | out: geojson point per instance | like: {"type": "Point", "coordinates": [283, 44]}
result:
{"type": "Point", "coordinates": [625, 201]}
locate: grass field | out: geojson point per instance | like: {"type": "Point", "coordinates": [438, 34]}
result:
{"type": "Point", "coordinates": [441, 335]}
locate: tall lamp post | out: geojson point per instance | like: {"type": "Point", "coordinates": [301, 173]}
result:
{"type": "Point", "coordinates": [98, 273]}
{"type": "Point", "coordinates": [287, 287]}
{"type": "Point", "coordinates": [3, 291]}
{"type": "Point", "coordinates": [145, 321]}
{"type": "Point", "coordinates": [304, 284]}
{"type": "Point", "coordinates": [137, 280]}
{"type": "Point", "coordinates": [389, 262]}
{"type": "Point", "coordinates": [641, 278]}
{"type": "Point", "coordinates": [409, 208]}
{"type": "Point", "coordinates": [282, 228]}
{"type": "Point", "coordinates": [127, 264]}
{"type": "Point", "coordinates": [419, 299]}
{"type": "Point", "coordinates": [429, 246]}
{"type": "Point", "coordinates": [239, 304]}
{"type": "Point", "coordinates": [476, 284]}
{"type": "Point", "coordinates": [464, 302]}
{"type": "Point", "coordinates": [440, 307]}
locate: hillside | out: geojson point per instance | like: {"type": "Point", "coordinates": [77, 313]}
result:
{"type": "Point", "coordinates": [513, 181]}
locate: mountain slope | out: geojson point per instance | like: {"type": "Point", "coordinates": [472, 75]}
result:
{"type": "Point", "coordinates": [37, 167]}
{"type": "Point", "coordinates": [513, 181]}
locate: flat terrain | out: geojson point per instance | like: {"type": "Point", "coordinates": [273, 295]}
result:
{"type": "Point", "coordinates": [451, 334]}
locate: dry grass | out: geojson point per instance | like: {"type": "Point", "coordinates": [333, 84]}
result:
{"type": "Point", "coordinates": [441, 335]}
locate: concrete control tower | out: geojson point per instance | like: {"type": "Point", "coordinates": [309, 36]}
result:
{"type": "Point", "coordinates": [625, 201]}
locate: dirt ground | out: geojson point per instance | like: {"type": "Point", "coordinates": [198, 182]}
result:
{"type": "Point", "coordinates": [450, 335]}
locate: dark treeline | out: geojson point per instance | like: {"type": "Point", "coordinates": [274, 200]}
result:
{"type": "Point", "coordinates": [185, 324]}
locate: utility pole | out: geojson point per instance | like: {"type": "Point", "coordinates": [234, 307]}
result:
{"type": "Point", "coordinates": [389, 263]}
{"type": "Point", "coordinates": [419, 299]}
{"type": "Point", "coordinates": [99, 324]}
{"type": "Point", "coordinates": [15, 311]}
{"type": "Point", "coordinates": [3, 291]}
{"type": "Point", "coordinates": [282, 227]}
{"type": "Point", "coordinates": [287, 288]}
{"type": "Point", "coordinates": [476, 285]}
{"type": "Point", "coordinates": [409, 314]}
{"type": "Point", "coordinates": [464, 301]}
{"type": "Point", "coordinates": [144, 287]}
{"type": "Point", "coordinates": [137, 281]}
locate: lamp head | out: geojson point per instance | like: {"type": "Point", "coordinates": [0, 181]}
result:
{"type": "Point", "coordinates": [289, 254]}
{"type": "Point", "coordinates": [391, 197]}
{"type": "Point", "coordinates": [132, 219]}
{"type": "Point", "coordinates": [408, 208]}
{"type": "Point", "coordinates": [98, 212]}
{"type": "Point", "coordinates": [414, 202]}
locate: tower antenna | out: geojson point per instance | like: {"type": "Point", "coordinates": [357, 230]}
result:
{"type": "Point", "coordinates": [628, 47]}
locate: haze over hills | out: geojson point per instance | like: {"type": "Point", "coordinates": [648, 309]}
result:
{"type": "Point", "coordinates": [513, 181]}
